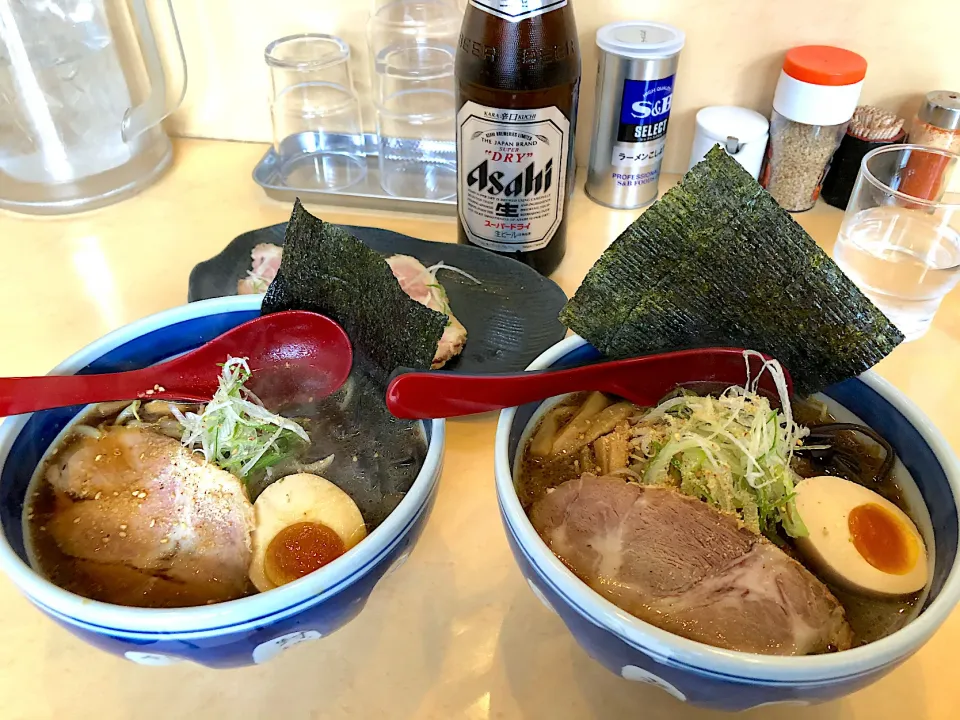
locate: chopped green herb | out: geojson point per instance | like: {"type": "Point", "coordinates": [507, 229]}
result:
{"type": "Point", "coordinates": [235, 431]}
{"type": "Point", "coordinates": [733, 451]}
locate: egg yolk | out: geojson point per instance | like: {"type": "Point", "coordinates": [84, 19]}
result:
{"type": "Point", "coordinates": [299, 549]}
{"type": "Point", "coordinates": [882, 540]}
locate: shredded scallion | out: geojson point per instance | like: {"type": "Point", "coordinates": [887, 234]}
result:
{"type": "Point", "coordinates": [235, 431]}
{"type": "Point", "coordinates": [734, 451]}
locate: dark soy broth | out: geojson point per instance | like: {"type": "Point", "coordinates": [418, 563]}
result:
{"type": "Point", "coordinates": [376, 459]}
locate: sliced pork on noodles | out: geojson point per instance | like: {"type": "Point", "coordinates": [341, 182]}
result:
{"type": "Point", "coordinates": [150, 522]}
{"type": "Point", "coordinates": [678, 563]}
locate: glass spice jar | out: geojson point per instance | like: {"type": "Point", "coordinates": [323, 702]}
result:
{"type": "Point", "coordinates": [937, 123]}
{"type": "Point", "coordinates": [816, 95]}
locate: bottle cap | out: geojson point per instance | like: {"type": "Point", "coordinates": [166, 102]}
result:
{"type": "Point", "coordinates": [824, 65]}
{"type": "Point", "coordinates": [637, 39]}
{"type": "Point", "coordinates": [941, 109]}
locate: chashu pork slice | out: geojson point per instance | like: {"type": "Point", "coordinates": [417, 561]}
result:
{"type": "Point", "coordinates": [266, 261]}
{"type": "Point", "coordinates": [138, 499]}
{"type": "Point", "coordinates": [421, 284]}
{"type": "Point", "coordinates": [417, 281]}
{"type": "Point", "coordinates": [688, 568]}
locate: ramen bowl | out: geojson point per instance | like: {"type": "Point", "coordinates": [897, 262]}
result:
{"type": "Point", "coordinates": [247, 631]}
{"type": "Point", "coordinates": [722, 679]}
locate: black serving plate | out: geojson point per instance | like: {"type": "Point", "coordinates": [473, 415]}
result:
{"type": "Point", "coordinates": [511, 316]}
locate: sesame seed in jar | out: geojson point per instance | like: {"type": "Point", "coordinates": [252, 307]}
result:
{"type": "Point", "coordinates": [76, 521]}
{"type": "Point", "coordinates": [122, 534]}
{"type": "Point", "coordinates": [98, 496]}
{"type": "Point", "coordinates": [123, 527]}
{"type": "Point", "coordinates": [153, 522]}
{"type": "Point", "coordinates": [164, 541]}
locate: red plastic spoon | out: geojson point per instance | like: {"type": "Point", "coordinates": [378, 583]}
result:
{"type": "Point", "coordinates": [295, 356]}
{"type": "Point", "coordinates": [642, 380]}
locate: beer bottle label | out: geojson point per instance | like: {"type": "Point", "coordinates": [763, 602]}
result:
{"type": "Point", "coordinates": [512, 175]}
{"type": "Point", "coordinates": [642, 136]}
{"type": "Point", "coordinates": [517, 10]}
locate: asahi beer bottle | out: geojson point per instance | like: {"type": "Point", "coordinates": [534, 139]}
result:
{"type": "Point", "coordinates": [518, 83]}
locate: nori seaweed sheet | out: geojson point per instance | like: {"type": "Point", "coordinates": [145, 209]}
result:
{"type": "Point", "coordinates": [328, 271]}
{"type": "Point", "coordinates": [717, 262]}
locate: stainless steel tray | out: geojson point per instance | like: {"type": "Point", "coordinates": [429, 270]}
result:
{"type": "Point", "coordinates": [365, 194]}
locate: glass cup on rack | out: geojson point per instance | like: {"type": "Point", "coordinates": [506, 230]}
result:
{"type": "Point", "coordinates": [417, 143]}
{"type": "Point", "coordinates": [413, 38]}
{"type": "Point", "coordinates": [317, 127]}
{"type": "Point", "coordinates": [413, 44]}
{"type": "Point", "coordinates": [900, 237]}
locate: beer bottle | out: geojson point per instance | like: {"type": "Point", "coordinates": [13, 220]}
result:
{"type": "Point", "coordinates": [518, 84]}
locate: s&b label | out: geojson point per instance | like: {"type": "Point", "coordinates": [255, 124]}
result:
{"type": "Point", "coordinates": [644, 113]}
{"type": "Point", "coordinates": [511, 175]}
{"type": "Point", "coordinates": [517, 10]}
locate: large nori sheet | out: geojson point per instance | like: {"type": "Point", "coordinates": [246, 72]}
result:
{"type": "Point", "coordinates": [716, 261]}
{"type": "Point", "coordinates": [328, 271]}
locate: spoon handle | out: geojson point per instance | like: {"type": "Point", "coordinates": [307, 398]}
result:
{"type": "Point", "coordinates": [30, 394]}
{"type": "Point", "coordinates": [641, 380]}
{"type": "Point", "coordinates": [425, 395]}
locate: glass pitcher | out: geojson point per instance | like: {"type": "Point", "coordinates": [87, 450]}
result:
{"type": "Point", "coordinates": [82, 95]}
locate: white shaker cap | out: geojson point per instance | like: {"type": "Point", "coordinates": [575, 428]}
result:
{"type": "Point", "coordinates": [741, 131]}
{"type": "Point", "coordinates": [640, 39]}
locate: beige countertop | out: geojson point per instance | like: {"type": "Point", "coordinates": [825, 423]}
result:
{"type": "Point", "coordinates": [457, 632]}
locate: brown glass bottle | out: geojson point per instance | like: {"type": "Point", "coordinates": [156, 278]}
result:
{"type": "Point", "coordinates": [518, 85]}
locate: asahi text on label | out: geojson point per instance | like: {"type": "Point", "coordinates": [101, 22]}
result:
{"type": "Point", "coordinates": [512, 167]}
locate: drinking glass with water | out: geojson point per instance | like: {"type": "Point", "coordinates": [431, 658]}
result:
{"type": "Point", "coordinates": [900, 238]}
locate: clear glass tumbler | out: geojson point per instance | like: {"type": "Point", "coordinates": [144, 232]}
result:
{"type": "Point", "coordinates": [417, 138]}
{"type": "Point", "coordinates": [415, 38]}
{"type": "Point", "coordinates": [317, 127]}
{"type": "Point", "coordinates": [900, 238]}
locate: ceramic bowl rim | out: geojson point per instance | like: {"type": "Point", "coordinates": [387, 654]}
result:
{"type": "Point", "coordinates": [221, 618]}
{"type": "Point", "coordinates": [695, 656]}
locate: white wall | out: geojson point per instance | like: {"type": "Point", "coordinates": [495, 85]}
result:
{"type": "Point", "coordinates": [733, 54]}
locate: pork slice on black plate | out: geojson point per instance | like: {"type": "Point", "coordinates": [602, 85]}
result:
{"type": "Point", "coordinates": [685, 567]}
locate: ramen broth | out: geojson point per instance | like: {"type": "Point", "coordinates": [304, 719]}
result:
{"type": "Point", "coordinates": [871, 618]}
{"type": "Point", "coordinates": [354, 443]}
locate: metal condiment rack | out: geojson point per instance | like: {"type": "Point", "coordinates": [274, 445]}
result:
{"type": "Point", "coordinates": [366, 194]}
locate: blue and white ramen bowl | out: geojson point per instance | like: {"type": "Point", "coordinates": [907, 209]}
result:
{"type": "Point", "coordinates": [722, 679]}
{"type": "Point", "coordinates": [241, 632]}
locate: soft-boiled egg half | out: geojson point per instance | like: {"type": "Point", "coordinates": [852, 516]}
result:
{"type": "Point", "coordinates": [859, 539]}
{"type": "Point", "coordinates": [303, 522]}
